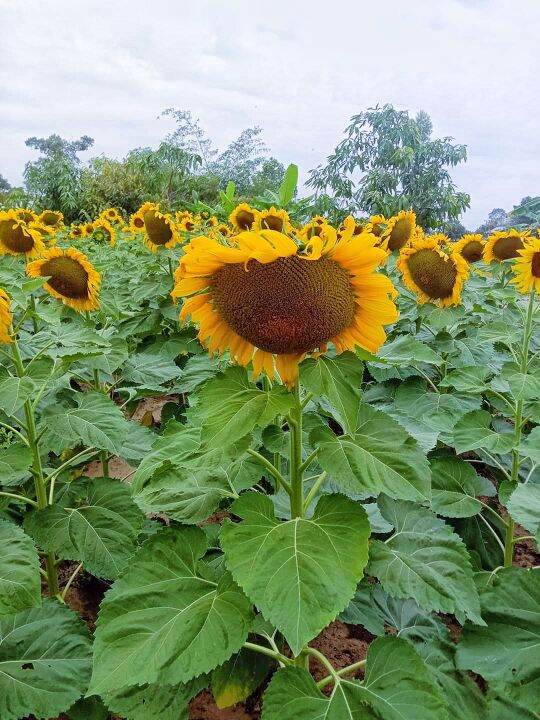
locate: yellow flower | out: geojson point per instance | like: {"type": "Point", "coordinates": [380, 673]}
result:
{"type": "Point", "coordinates": [159, 229]}
{"type": "Point", "coordinates": [400, 229]}
{"type": "Point", "coordinates": [266, 300]}
{"type": "Point", "coordinates": [243, 217]}
{"type": "Point", "coordinates": [72, 278]}
{"type": "Point", "coordinates": [17, 238]}
{"type": "Point", "coordinates": [5, 318]}
{"type": "Point", "coordinates": [503, 245]}
{"type": "Point", "coordinates": [187, 224]}
{"type": "Point", "coordinates": [46, 232]}
{"type": "Point", "coordinates": [52, 218]}
{"type": "Point", "coordinates": [222, 229]}
{"type": "Point", "coordinates": [77, 231]}
{"type": "Point", "coordinates": [111, 215]}
{"type": "Point", "coordinates": [349, 224]}
{"type": "Point", "coordinates": [274, 220]}
{"type": "Point", "coordinates": [432, 274]}
{"type": "Point", "coordinates": [318, 227]}
{"type": "Point", "coordinates": [88, 229]}
{"type": "Point", "coordinates": [375, 225]}
{"type": "Point", "coordinates": [26, 215]}
{"type": "Point", "coordinates": [527, 267]}
{"type": "Point", "coordinates": [104, 231]}
{"type": "Point", "coordinates": [470, 246]}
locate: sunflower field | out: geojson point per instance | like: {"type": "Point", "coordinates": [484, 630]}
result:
{"type": "Point", "coordinates": [257, 465]}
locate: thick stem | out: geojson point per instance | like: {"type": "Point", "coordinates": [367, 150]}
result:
{"type": "Point", "coordinates": [104, 457]}
{"type": "Point", "coordinates": [297, 486]}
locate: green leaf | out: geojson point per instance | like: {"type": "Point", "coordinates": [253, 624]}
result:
{"type": "Point", "coordinates": [15, 461]}
{"type": "Point", "coordinates": [230, 406]}
{"type": "Point", "coordinates": [473, 432]}
{"type": "Point", "coordinates": [524, 506]}
{"type": "Point", "coordinates": [338, 379]}
{"type": "Point", "coordinates": [397, 686]}
{"type": "Point", "coordinates": [20, 583]}
{"type": "Point", "coordinates": [150, 369]}
{"type": "Point", "coordinates": [14, 392]}
{"type": "Point", "coordinates": [300, 573]}
{"type": "Point", "coordinates": [99, 528]}
{"type": "Point", "coordinates": [455, 485]}
{"type": "Point", "coordinates": [189, 496]}
{"type": "Point", "coordinates": [425, 560]}
{"type": "Point", "coordinates": [507, 651]}
{"type": "Point", "coordinates": [530, 446]}
{"type": "Point", "coordinates": [379, 458]}
{"type": "Point", "coordinates": [466, 379]}
{"type": "Point", "coordinates": [164, 621]}
{"type": "Point", "coordinates": [523, 386]}
{"type": "Point", "coordinates": [169, 450]}
{"type": "Point", "coordinates": [88, 709]}
{"type": "Point", "coordinates": [235, 680]}
{"type": "Point", "coordinates": [96, 422]}
{"type": "Point", "coordinates": [406, 350]}
{"type": "Point", "coordinates": [155, 702]}
{"type": "Point", "coordinates": [45, 661]}
{"type": "Point", "coordinates": [287, 188]}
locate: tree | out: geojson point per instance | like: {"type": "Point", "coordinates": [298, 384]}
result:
{"type": "Point", "coordinates": [389, 161]}
{"type": "Point", "coordinates": [269, 177]}
{"type": "Point", "coordinates": [4, 184]}
{"type": "Point", "coordinates": [497, 218]}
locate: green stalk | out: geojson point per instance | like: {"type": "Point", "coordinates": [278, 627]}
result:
{"type": "Point", "coordinates": [37, 470]}
{"type": "Point", "coordinates": [295, 425]}
{"type": "Point", "coordinates": [518, 423]}
{"type": "Point", "coordinates": [104, 457]}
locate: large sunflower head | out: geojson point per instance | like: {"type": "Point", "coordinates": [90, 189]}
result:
{"type": "Point", "coordinates": [72, 278]}
{"type": "Point", "coordinates": [5, 318]}
{"type": "Point", "coordinates": [243, 217]}
{"type": "Point", "coordinates": [17, 238]}
{"type": "Point", "coordinates": [27, 216]}
{"type": "Point", "coordinates": [268, 300]}
{"type": "Point", "coordinates": [274, 220]}
{"type": "Point", "coordinates": [470, 246]}
{"type": "Point", "coordinates": [376, 224]}
{"type": "Point", "coordinates": [159, 230]}
{"type": "Point", "coordinates": [526, 268]}
{"type": "Point", "coordinates": [104, 231]}
{"type": "Point", "coordinates": [399, 230]}
{"type": "Point", "coordinates": [432, 274]}
{"type": "Point", "coordinates": [503, 245]}
{"type": "Point", "coordinates": [52, 218]}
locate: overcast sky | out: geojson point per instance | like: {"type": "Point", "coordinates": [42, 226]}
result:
{"type": "Point", "coordinates": [299, 69]}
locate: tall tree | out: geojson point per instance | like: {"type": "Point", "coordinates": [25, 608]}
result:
{"type": "Point", "coordinates": [389, 161]}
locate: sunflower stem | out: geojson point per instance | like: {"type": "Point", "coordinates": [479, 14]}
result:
{"type": "Point", "coordinates": [104, 457]}
{"type": "Point", "coordinates": [518, 424]}
{"type": "Point", "coordinates": [296, 471]}
{"type": "Point", "coordinates": [33, 311]}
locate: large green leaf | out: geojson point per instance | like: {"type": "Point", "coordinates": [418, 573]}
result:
{"type": "Point", "coordinates": [150, 370]}
{"type": "Point", "coordinates": [189, 496]}
{"type": "Point", "coordinates": [230, 406]}
{"type": "Point", "coordinates": [507, 651]}
{"type": "Point", "coordinates": [172, 449]}
{"type": "Point", "coordinates": [524, 506]}
{"type": "Point", "coordinates": [99, 527]}
{"type": "Point", "coordinates": [397, 686]}
{"type": "Point", "coordinates": [425, 560]}
{"type": "Point", "coordinates": [14, 392]}
{"type": "Point", "coordinates": [20, 583]}
{"type": "Point", "coordinates": [455, 486]}
{"type": "Point", "coordinates": [407, 350]}
{"type": "Point", "coordinates": [530, 446]}
{"type": "Point", "coordinates": [155, 702]}
{"type": "Point", "coordinates": [235, 680]}
{"type": "Point", "coordinates": [466, 379]}
{"type": "Point", "coordinates": [381, 457]}
{"type": "Point", "coordinates": [300, 573]}
{"type": "Point", "coordinates": [473, 432]}
{"type": "Point", "coordinates": [15, 461]}
{"type": "Point", "coordinates": [337, 379]}
{"type": "Point", "coordinates": [45, 661]}
{"type": "Point", "coordinates": [523, 386]}
{"type": "Point", "coordinates": [164, 621]}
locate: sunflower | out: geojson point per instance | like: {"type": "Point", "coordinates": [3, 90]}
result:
{"type": "Point", "coordinates": [77, 231]}
{"type": "Point", "coordinates": [46, 232]}
{"type": "Point", "coordinates": [441, 239]}
{"type": "Point", "coordinates": [319, 227]}
{"type": "Point", "coordinates": [72, 277]}
{"type": "Point", "coordinates": [375, 225]}
{"type": "Point", "coordinates": [26, 215]}
{"type": "Point", "coordinates": [503, 245]}
{"type": "Point", "coordinates": [265, 299]}
{"type": "Point", "coordinates": [274, 220]}
{"type": "Point", "coordinates": [470, 246]}
{"type": "Point", "coordinates": [104, 231]}
{"type": "Point", "coordinates": [5, 318]}
{"type": "Point", "coordinates": [52, 218]}
{"type": "Point", "coordinates": [17, 238]}
{"type": "Point", "coordinates": [399, 230]}
{"type": "Point", "coordinates": [221, 230]}
{"type": "Point", "coordinates": [159, 229]}
{"type": "Point", "coordinates": [212, 221]}
{"type": "Point", "coordinates": [432, 274]}
{"type": "Point", "coordinates": [243, 217]}
{"type": "Point", "coordinates": [188, 223]}
{"type": "Point", "coordinates": [350, 224]}
{"type": "Point", "coordinates": [88, 229]}
{"type": "Point", "coordinates": [111, 215]}
{"type": "Point", "coordinates": [527, 267]}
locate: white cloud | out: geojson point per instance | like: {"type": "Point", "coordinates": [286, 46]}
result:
{"type": "Point", "coordinates": [298, 69]}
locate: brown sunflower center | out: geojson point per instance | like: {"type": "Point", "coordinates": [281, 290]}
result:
{"type": "Point", "coordinates": [434, 275]}
{"type": "Point", "coordinates": [507, 247]}
{"type": "Point", "coordinates": [400, 234]}
{"type": "Point", "coordinates": [472, 251]}
{"type": "Point", "coordinates": [68, 277]}
{"type": "Point", "coordinates": [287, 306]}
{"type": "Point", "coordinates": [157, 228]}
{"type": "Point", "coordinates": [535, 265]}
{"type": "Point", "coordinates": [245, 219]}
{"type": "Point", "coordinates": [138, 222]}
{"type": "Point", "coordinates": [273, 222]}
{"type": "Point", "coordinates": [14, 237]}
{"type": "Point", "coordinates": [50, 218]}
